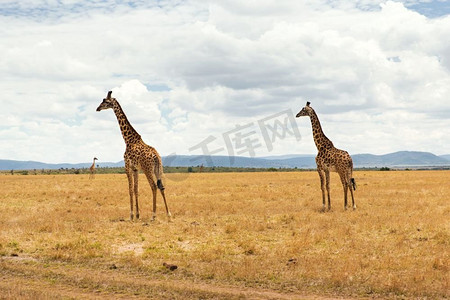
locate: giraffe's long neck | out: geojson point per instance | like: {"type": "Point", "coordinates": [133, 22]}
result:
{"type": "Point", "coordinates": [321, 141]}
{"type": "Point", "coordinates": [129, 134]}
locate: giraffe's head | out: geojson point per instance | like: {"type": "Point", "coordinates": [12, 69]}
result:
{"type": "Point", "coordinates": [305, 111]}
{"type": "Point", "coordinates": [108, 102]}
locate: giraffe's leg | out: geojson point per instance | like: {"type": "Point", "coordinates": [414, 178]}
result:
{"type": "Point", "coordinates": [322, 187]}
{"type": "Point", "coordinates": [351, 186]}
{"type": "Point", "coordinates": [345, 185]}
{"type": "Point", "coordinates": [345, 195]}
{"type": "Point", "coordinates": [136, 190]}
{"type": "Point", "coordinates": [153, 186]}
{"type": "Point", "coordinates": [151, 181]}
{"type": "Point", "coordinates": [169, 215]}
{"type": "Point", "coordinates": [130, 188]}
{"type": "Point", "coordinates": [327, 177]}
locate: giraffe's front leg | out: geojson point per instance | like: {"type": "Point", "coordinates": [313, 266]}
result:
{"type": "Point", "coordinates": [130, 190]}
{"type": "Point", "coordinates": [322, 187]}
{"type": "Point", "coordinates": [136, 190]}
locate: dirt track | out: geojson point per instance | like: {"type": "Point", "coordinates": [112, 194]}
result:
{"type": "Point", "coordinates": [25, 278]}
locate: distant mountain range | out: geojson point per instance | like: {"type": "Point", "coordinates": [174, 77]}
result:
{"type": "Point", "coordinates": [398, 159]}
{"type": "Point", "coordinates": [401, 159]}
{"type": "Point", "coordinates": [447, 156]}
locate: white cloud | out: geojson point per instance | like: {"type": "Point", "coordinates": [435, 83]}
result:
{"type": "Point", "coordinates": [369, 70]}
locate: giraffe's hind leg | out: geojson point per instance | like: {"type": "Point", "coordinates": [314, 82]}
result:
{"type": "Point", "coordinates": [169, 215]}
{"type": "Point", "coordinates": [153, 186]}
{"type": "Point", "coordinates": [345, 186]}
{"type": "Point", "coordinates": [161, 188]}
{"type": "Point", "coordinates": [351, 187]}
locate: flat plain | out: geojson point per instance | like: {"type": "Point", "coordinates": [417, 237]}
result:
{"type": "Point", "coordinates": [232, 236]}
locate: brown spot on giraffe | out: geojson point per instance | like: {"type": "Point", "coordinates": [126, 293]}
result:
{"type": "Point", "coordinates": [138, 155]}
{"type": "Point", "coordinates": [329, 159]}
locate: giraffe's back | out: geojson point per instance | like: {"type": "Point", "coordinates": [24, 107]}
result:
{"type": "Point", "coordinates": [143, 156]}
{"type": "Point", "coordinates": [335, 160]}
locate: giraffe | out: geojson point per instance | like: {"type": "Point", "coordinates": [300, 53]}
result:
{"type": "Point", "coordinates": [138, 155]}
{"type": "Point", "coordinates": [329, 159]}
{"type": "Point", "coordinates": [92, 169]}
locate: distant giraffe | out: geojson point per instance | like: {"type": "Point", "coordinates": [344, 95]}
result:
{"type": "Point", "coordinates": [92, 169]}
{"type": "Point", "coordinates": [138, 155]}
{"type": "Point", "coordinates": [329, 159]}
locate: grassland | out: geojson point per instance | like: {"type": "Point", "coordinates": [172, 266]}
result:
{"type": "Point", "coordinates": [233, 236]}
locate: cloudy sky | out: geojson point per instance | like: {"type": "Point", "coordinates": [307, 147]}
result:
{"type": "Point", "coordinates": [223, 77]}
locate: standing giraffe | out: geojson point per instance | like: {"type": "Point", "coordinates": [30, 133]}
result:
{"type": "Point", "coordinates": [329, 159]}
{"type": "Point", "coordinates": [138, 155]}
{"type": "Point", "coordinates": [92, 169]}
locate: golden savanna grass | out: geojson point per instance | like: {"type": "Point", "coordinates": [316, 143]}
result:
{"type": "Point", "coordinates": [233, 235]}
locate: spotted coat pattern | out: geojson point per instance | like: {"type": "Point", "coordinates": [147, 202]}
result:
{"type": "Point", "coordinates": [329, 159]}
{"type": "Point", "coordinates": [138, 156]}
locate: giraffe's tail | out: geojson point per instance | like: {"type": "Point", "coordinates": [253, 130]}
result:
{"type": "Point", "coordinates": [160, 185]}
{"type": "Point", "coordinates": [353, 182]}
{"type": "Point", "coordinates": [159, 173]}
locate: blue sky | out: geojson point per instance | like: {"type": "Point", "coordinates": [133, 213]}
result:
{"type": "Point", "coordinates": [431, 9]}
{"type": "Point", "coordinates": [54, 9]}
{"type": "Point", "coordinates": [377, 73]}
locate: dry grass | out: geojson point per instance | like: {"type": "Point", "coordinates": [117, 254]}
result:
{"type": "Point", "coordinates": [234, 235]}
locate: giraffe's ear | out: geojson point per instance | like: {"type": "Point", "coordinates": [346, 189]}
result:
{"type": "Point", "coordinates": [109, 95]}
{"type": "Point", "coordinates": [308, 103]}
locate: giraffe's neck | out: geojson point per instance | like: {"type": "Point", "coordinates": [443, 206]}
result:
{"type": "Point", "coordinates": [129, 134]}
{"type": "Point", "coordinates": [321, 141]}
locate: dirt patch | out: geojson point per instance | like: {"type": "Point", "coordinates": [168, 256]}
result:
{"type": "Point", "coordinates": [23, 280]}
{"type": "Point", "coordinates": [136, 248]}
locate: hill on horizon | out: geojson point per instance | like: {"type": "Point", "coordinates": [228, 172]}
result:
{"type": "Point", "coordinates": [301, 161]}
